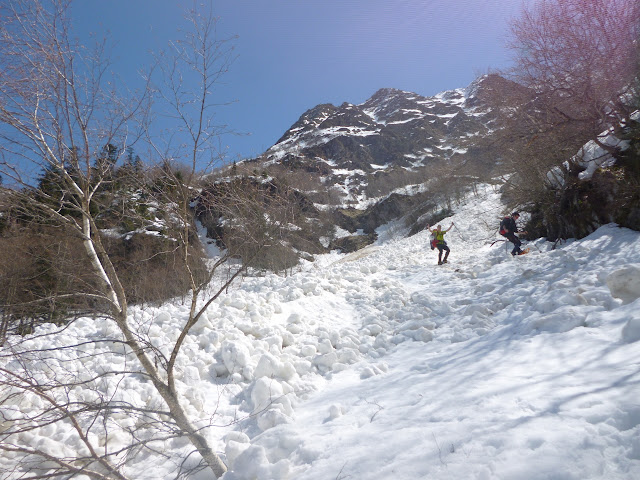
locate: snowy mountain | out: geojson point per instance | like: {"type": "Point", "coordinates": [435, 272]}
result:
{"type": "Point", "coordinates": [393, 131]}
{"type": "Point", "coordinates": [377, 364]}
{"type": "Point", "coordinates": [397, 155]}
{"type": "Point", "coordinates": [393, 128]}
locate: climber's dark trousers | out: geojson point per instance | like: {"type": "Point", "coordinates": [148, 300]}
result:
{"type": "Point", "coordinates": [516, 243]}
{"type": "Point", "coordinates": [442, 248]}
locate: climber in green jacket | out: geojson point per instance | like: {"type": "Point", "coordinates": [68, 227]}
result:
{"type": "Point", "coordinates": [438, 238]}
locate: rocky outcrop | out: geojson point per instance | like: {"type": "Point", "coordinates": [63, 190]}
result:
{"type": "Point", "coordinates": [580, 204]}
{"type": "Point", "coordinates": [352, 243]}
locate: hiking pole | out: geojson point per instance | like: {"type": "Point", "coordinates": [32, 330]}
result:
{"type": "Point", "coordinates": [464, 239]}
{"type": "Point", "coordinates": [496, 241]}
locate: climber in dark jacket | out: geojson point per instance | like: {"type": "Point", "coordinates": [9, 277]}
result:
{"type": "Point", "coordinates": [508, 229]}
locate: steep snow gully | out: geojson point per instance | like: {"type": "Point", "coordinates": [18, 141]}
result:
{"type": "Point", "coordinates": [383, 365]}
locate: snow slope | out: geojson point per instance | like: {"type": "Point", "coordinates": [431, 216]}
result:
{"type": "Point", "coordinates": [383, 365]}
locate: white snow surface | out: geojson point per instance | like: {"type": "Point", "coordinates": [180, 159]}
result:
{"type": "Point", "coordinates": [383, 365]}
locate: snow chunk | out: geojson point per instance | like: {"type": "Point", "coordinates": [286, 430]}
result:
{"type": "Point", "coordinates": [253, 463]}
{"type": "Point", "coordinates": [335, 411]}
{"type": "Point", "coordinates": [270, 366]}
{"type": "Point", "coordinates": [265, 392]}
{"type": "Point", "coordinates": [326, 361]}
{"type": "Point", "coordinates": [272, 418]}
{"type": "Point", "coordinates": [373, 370]}
{"type": "Point", "coordinates": [625, 283]}
{"type": "Point", "coordinates": [236, 443]}
{"type": "Point", "coordinates": [558, 322]}
{"type": "Point", "coordinates": [235, 356]}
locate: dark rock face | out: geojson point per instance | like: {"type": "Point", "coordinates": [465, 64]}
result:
{"type": "Point", "coordinates": [393, 128]}
{"type": "Point", "coordinates": [352, 243]}
{"type": "Point", "coordinates": [585, 205]}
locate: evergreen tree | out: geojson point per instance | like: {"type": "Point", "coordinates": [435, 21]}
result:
{"type": "Point", "coordinates": [106, 162]}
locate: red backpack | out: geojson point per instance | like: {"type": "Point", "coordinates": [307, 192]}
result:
{"type": "Point", "coordinates": [503, 231]}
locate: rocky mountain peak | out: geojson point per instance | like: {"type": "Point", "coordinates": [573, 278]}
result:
{"type": "Point", "coordinates": [395, 154]}
{"type": "Point", "coordinates": [385, 94]}
{"type": "Point", "coordinates": [309, 120]}
{"type": "Point", "coordinates": [390, 104]}
{"type": "Point", "coordinates": [481, 90]}
{"type": "Point", "coordinates": [361, 153]}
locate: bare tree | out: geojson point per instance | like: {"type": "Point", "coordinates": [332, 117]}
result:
{"type": "Point", "coordinates": [57, 113]}
{"type": "Point", "coordinates": [580, 60]}
{"type": "Point", "coordinates": [575, 77]}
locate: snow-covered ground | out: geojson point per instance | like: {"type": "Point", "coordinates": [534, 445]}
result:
{"type": "Point", "coordinates": [383, 365]}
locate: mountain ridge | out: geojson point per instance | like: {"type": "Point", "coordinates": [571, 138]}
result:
{"type": "Point", "coordinates": [392, 128]}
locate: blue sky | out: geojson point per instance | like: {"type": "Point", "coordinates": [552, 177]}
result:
{"type": "Point", "coordinates": [295, 54]}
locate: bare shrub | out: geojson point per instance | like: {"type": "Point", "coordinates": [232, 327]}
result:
{"type": "Point", "coordinates": [576, 68]}
{"type": "Point", "coordinates": [40, 271]}
{"type": "Point", "coordinates": [266, 223]}
{"type": "Point", "coordinates": [142, 259]}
